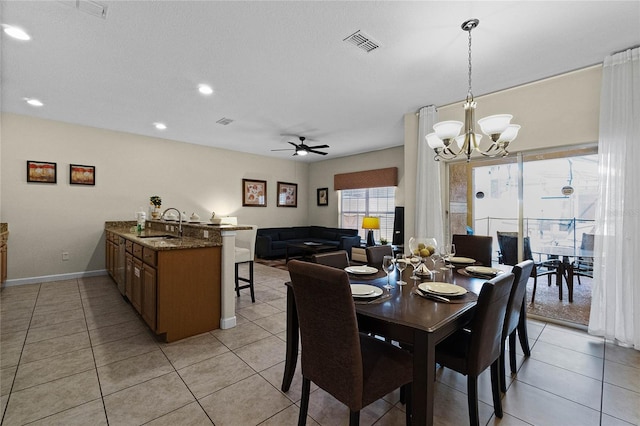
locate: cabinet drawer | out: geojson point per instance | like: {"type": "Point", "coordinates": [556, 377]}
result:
{"type": "Point", "coordinates": [149, 256]}
{"type": "Point", "coordinates": [129, 246]}
{"type": "Point", "coordinates": [137, 250]}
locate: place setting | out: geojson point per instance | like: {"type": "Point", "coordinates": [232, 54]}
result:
{"type": "Point", "coordinates": [485, 272]}
{"type": "Point", "coordinates": [444, 292]}
{"type": "Point", "coordinates": [368, 294]}
{"type": "Point", "coordinates": [364, 272]}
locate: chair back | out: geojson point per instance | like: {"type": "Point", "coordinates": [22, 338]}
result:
{"type": "Point", "coordinates": [336, 259]}
{"type": "Point", "coordinates": [521, 273]}
{"type": "Point", "coordinates": [508, 244]}
{"type": "Point", "coordinates": [587, 242]}
{"type": "Point", "coordinates": [488, 322]}
{"type": "Point", "coordinates": [478, 247]}
{"type": "Point", "coordinates": [331, 354]}
{"type": "Point", "coordinates": [246, 239]}
{"type": "Point", "coordinates": [376, 253]}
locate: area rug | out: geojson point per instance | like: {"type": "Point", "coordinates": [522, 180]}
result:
{"type": "Point", "coordinates": [547, 304]}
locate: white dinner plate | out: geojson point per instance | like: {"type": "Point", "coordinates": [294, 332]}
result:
{"type": "Point", "coordinates": [365, 291]}
{"type": "Point", "coordinates": [443, 289]}
{"type": "Point", "coordinates": [361, 270]}
{"type": "Point", "coordinates": [462, 260]}
{"type": "Point", "coordinates": [483, 270]}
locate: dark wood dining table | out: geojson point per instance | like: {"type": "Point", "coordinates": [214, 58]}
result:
{"type": "Point", "coordinates": [407, 318]}
{"type": "Point", "coordinates": [565, 266]}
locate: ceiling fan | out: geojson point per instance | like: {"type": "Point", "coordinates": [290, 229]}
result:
{"type": "Point", "coordinates": [302, 149]}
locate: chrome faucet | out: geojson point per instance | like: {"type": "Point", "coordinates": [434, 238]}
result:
{"type": "Point", "coordinates": [179, 217]}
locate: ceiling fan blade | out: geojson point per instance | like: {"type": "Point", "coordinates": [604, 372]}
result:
{"type": "Point", "coordinates": [285, 149]}
{"type": "Point", "coordinates": [318, 146]}
{"type": "Point", "coordinates": [296, 145]}
{"type": "Point", "coordinates": [317, 152]}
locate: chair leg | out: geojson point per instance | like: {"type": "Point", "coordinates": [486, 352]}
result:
{"type": "Point", "coordinates": [253, 296]}
{"type": "Point", "coordinates": [533, 293]}
{"type": "Point", "coordinates": [236, 280]}
{"type": "Point", "coordinates": [501, 361]}
{"type": "Point", "coordinates": [472, 400]}
{"type": "Point", "coordinates": [522, 332]}
{"type": "Point", "coordinates": [408, 406]}
{"type": "Point", "coordinates": [354, 418]}
{"type": "Point", "coordinates": [304, 402]}
{"type": "Point", "coordinates": [495, 387]}
{"type": "Point", "coordinates": [512, 353]}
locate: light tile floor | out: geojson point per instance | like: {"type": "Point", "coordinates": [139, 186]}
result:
{"type": "Point", "coordinates": [75, 352]}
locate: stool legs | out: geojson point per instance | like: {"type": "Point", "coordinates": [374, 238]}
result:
{"type": "Point", "coordinates": [249, 280]}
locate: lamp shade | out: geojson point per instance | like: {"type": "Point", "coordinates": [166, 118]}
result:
{"type": "Point", "coordinates": [370, 223]}
{"type": "Point", "coordinates": [495, 124]}
{"type": "Point", "coordinates": [434, 141]}
{"type": "Point", "coordinates": [448, 129]}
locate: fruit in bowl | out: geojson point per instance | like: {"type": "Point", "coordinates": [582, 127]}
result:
{"type": "Point", "coordinates": [422, 246]}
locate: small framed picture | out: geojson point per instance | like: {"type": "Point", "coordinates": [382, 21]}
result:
{"type": "Point", "coordinates": [82, 175]}
{"type": "Point", "coordinates": [254, 193]}
{"type": "Point", "coordinates": [323, 196]}
{"type": "Point", "coordinates": [287, 194]}
{"type": "Point", "coordinates": [42, 172]}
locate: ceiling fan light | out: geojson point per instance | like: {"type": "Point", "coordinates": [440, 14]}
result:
{"type": "Point", "coordinates": [494, 124]}
{"type": "Point", "coordinates": [510, 133]}
{"type": "Point", "coordinates": [301, 152]}
{"type": "Point", "coordinates": [434, 141]}
{"type": "Point", "coordinates": [448, 129]}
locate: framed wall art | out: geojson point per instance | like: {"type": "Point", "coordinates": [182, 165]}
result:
{"type": "Point", "coordinates": [323, 196]}
{"type": "Point", "coordinates": [287, 194]}
{"type": "Point", "coordinates": [42, 172]}
{"type": "Point", "coordinates": [254, 193]}
{"type": "Point", "coordinates": [82, 175]}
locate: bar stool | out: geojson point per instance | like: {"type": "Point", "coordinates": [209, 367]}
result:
{"type": "Point", "coordinates": [245, 253]}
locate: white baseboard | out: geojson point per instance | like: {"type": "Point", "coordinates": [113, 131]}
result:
{"type": "Point", "coordinates": [226, 323]}
{"type": "Point", "coordinates": [59, 277]}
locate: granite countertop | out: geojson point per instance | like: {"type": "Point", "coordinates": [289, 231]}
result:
{"type": "Point", "coordinates": [176, 243]}
{"type": "Point", "coordinates": [4, 228]}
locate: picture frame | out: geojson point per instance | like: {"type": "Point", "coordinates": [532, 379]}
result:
{"type": "Point", "coordinates": [254, 193]}
{"type": "Point", "coordinates": [323, 196]}
{"type": "Point", "coordinates": [82, 175]}
{"type": "Point", "coordinates": [42, 172]}
{"type": "Point", "coordinates": [287, 194]}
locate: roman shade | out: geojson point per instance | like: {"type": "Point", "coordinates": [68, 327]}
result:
{"type": "Point", "coordinates": [366, 179]}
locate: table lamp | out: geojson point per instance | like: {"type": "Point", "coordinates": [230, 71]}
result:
{"type": "Point", "coordinates": [370, 223]}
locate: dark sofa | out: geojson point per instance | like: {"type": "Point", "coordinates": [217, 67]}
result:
{"type": "Point", "coordinates": [272, 242]}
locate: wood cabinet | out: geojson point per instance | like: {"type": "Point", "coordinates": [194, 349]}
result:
{"type": "Point", "coordinates": [175, 291]}
{"type": "Point", "coordinates": [3, 257]}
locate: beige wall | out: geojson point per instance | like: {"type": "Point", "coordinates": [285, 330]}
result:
{"type": "Point", "coordinates": [45, 220]}
{"type": "Point", "coordinates": [321, 176]}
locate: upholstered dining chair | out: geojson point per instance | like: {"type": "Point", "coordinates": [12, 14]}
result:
{"type": "Point", "coordinates": [475, 348]}
{"type": "Point", "coordinates": [353, 367]}
{"type": "Point", "coordinates": [516, 319]}
{"type": "Point", "coordinates": [478, 247]}
{"type": "Point", "coordinates": [508, 243]}
{"type": "Point", "coordinates": [376, 253]}
{"type": "Point", "coordinates": [245, 253]}
{"type": "Point", "coordinates": [336, 259]}
{"type": "Point", "coordinates": [583, 265]}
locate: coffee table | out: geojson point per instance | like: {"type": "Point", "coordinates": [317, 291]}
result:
{"type": "Point", "coordinates": [308, 248]}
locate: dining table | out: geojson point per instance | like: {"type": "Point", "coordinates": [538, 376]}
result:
{"type": "Point", "coordinates": [565, 266]}
{"type": "Point", "coordinates": [401, 314]}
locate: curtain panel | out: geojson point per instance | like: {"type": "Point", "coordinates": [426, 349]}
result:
{"type": "Point", "coordinates": [615, 305]}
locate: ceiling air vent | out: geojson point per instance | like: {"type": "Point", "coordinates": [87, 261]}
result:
{"type": "Point", "coordinates": [87, 6]}
{"type": "Point", "coordinates": [224, 121]}
{"type": "Point", "coordinates": [362, 41]}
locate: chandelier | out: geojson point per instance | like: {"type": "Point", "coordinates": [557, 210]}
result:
{"type": "Point", "coordinates": [448, 143]}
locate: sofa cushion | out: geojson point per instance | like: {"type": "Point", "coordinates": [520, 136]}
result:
{"type": "Point", "coordinates": [329, 235]}
{"type": "Point", "coordinates": [301, 232]}
{"type": "Point", "coordinates": [287, 235]}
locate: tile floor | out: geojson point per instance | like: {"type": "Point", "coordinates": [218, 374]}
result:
{"type": "Point", "coordinates": [75, 353]}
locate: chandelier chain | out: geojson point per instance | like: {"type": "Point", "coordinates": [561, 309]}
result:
{"type": "Point", "coordinates": [469, 93]}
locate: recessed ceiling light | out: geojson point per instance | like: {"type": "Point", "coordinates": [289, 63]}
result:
{"type": "Point", "coordinates": [34, 102]}
{"type": "Point", "coordinates": [17, 33]}
{"type": "Point", "coordinates": [160, 126]}
{"type": "Point", "coordinates": [205, 89]}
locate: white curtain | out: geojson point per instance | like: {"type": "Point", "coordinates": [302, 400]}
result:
{"type": "Point", "coordinates": [429, 212]}
{"type": "Point", "coordinates": [615, 305]}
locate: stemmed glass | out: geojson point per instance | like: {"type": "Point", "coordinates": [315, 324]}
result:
{"type": "Point", "coordinates": [389, 266]}
{"type": "Point", "coordinates": [401, 264]}
{"type": "Point", "coordinates": [415, 264]}
{"type": "Point", "coordinates": [449, 252]}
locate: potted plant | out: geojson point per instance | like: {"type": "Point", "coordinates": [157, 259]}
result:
{"type": "Point", "coordinates": [384, 241]}
{"type": "Point", "coordinates": [156, 202]}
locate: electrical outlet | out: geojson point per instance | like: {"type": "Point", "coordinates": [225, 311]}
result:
{"type": "Point", "coordinates": [65, 255]}
{"type": "Point", "coordinates": [205, 234]}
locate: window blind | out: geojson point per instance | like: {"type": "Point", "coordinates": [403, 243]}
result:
{"type": "Point", "coordinates": [366, 179]}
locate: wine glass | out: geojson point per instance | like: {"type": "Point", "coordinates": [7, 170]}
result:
{"type": "Point", "coordinates": [389, 266]}
{"type": "Point", "coordinates": [449, 252]}
{"type": "Point", "coordinates": [415, 262]}
{"type": "Point", "coordinates": [401, 264]}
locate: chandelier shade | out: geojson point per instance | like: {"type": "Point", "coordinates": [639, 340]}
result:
{"type": "Point", "coordinates": [497, 127]}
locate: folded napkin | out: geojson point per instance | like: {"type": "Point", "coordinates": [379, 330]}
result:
{"type": "Point", "coordinates": [423, 270]}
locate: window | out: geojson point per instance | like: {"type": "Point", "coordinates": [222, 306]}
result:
{"type": "Point", "coordinates": [358, 203]}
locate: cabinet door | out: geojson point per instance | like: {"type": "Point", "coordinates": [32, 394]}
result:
{"type": "Point", "coordinates": [109, 258]}
{"type": "Point", "coordinates": [136, 288]}
{"type": "Point", "coordinates": [3, 261]}
{"type": "Point", "coordinates": [128, 276]}
{"type": "Point", "coordinates": [149, 296]}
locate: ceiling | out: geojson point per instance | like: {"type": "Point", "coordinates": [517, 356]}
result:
{"type": "Point", "coordinates": [280, 69]}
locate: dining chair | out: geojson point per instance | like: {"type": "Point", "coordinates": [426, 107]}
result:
{"type": "Point", "coordinates": [508, 244]}
{"type": "Point", "coordinates": [516, 319]}
{"type": "Point", "coordinates": [376, 253]}
{"type": "Point", "coordinates": [336, 259]}
{"type": "Point", "coordinates": [478, 247]}
{"type": "Point", "coordinates": [583, 265]}
{"type": "Point", "coordinates": [245, 250]}
{"type": "Point", "coordinates": [353, 367]}
{"type": "Point", "coordinates": [475, 348]}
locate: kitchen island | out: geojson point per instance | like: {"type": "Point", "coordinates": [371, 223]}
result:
{"type": "Point", "coordinates": [180, 285]}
